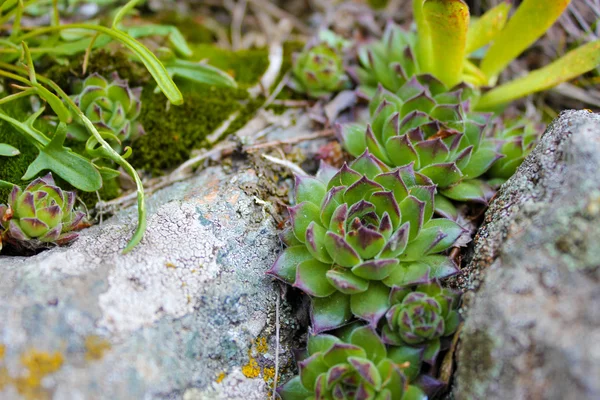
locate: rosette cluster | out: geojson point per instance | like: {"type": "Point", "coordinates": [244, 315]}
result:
{"type": "Point", "coordinates": [516, 141]}
{"type": "Point", "coordinates": [112, 106]}
{"type": "Point", "coordinates": [430, 127]}
{"type": "Point", "coordinates": [357, 232]}
{"type": "Point", "coordinates": [421, 317]}
{"type": "Point", "coordinates": [42, 212]}
{"type": "Point", "coordinates": [319, 70]}
{"type": "Point", "coordinates": [360, 367]}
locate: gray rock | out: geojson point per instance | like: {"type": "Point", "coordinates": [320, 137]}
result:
{"type": "Point", "coordinates": [533, 328]}
{"type": "Point", "coordinates": [188, 314]}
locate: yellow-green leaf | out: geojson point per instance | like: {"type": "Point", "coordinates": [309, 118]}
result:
{"type": "Point", "coordinates": [448, 22]}
{"type": "Point", "coordinates": [484, 30]}
{"type": "Point", "coordinates": [573, 64]}
{"type": "Point", "coordinates": [531, 20]}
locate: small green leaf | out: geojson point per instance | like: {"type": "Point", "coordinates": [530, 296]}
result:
{"type": "Point", "coordinates": [366, 338]}
{"type": "Point", "coordinates": [531, 20]}
{"type": "Point", "coordinates": [471, 190]}
{"type": "Point", "coordinates": [372, 304]}
{"type": "Point", "coordinates": [124, 11]}
{"type": "Point", "coordinates": [6, 150]}
{"type": "Point", "coordinates": [285, 266]}
{"type": "Point", "coordinates": [321, 343]}
{"type": "Point", "coordinates": [174, 35]}
{"type": "Point", "coordinates": [330, 312]}
{"type": "Point", "coordinates": [573, 64]}
{"type": "Point", "coordinates": [73, 168]}
{"type": "Point", "coordinates": [294, 390]}
{"type": "Point", "coordinates": [311, 278]}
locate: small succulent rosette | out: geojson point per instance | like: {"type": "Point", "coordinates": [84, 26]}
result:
{"type": "Point", "coordinates": [430, 127]}
{"type": "Point", "coordinates": [517, 140]}
{"type": "Point", "coordinates": [111, 105]}
{"type": "Point", "coordinates": [360, 367]}
{"type": "Point", "coordinates": [319, 71]}
{"type": "Point", "coordinates": [42, 213]}
{"type": "Point", "coordinates": [421, 318]}
{"type": "Point", "coordinates": [359, 231]}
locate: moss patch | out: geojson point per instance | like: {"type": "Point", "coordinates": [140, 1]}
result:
{"type": "Point", "coordinates": [13, 168]}
{"type": "Point", "coordinates": [192, 29]}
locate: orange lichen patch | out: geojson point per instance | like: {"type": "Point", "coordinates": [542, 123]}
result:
{"type": "Point", "coordinates": [261, 345]}
{"type": "Point", "coordinates": [170, 265]}
{"type": "Point", "coordinates": [2, 351]}
{"type": "Point", "coordinates": [39, 364]}
{"type": "Point", "coordinates": [251, 370]}
{"type": "Point", "coordinates": [220, 377]}
{"type": "Point", "coordinates": [268, 374]}
{"type": "Point", "coordinates": [95, 347]}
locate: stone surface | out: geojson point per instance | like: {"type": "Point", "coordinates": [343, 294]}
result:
{"type": "Point", "coordinates": [533, 328]}
{"type": "Point", "coordinates": [188, 314]}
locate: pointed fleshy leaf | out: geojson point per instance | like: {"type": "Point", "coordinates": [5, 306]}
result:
{"type": "Point", "coordinates": [361, 190]}
{"type": "Point", "coordinates": [431, 152]}
{"type": "Point", "coordinates": [397, 242]}
{"type": "Point", "coordinates": [352, 137]}
{"type": "Point", "coordinates": [337, 373]}
{"type": "Point", "coordinates": [372, 304]}
{"type": "Point", "coordinates": [389, 336]}
{"type": "Point", "coordinates": [440, 267]}
{"type": "Point", "coordinates": [412, 355]}
{"type": "Point", "coordinates": [333, 199]}
{"type": "Point", "coordinates": [480, 162]}
{"type": "Point", "coordinates": [471, 190]}
{"type": "Point", "coordinates": [422, 102]}
{"type": "Point", "coordinates": [432, 349]}
{"type": "Point", "coordinates": [344, 177]}
{"type": "Point", "coordinates": [330, 312]}
{"type": "Point", "coordinates": [368, 165]}
{"type": "Point", "coordinates": [427, 195]}
{"type": "Point", "coordinates": [408, 274]}
{"type": "Point", "coordinates": [375, 270]}
{"type": "Point", "coordinates": [385, 202]}
{"type": "Point", "coordinates": [393, 378]}
{"type": "Point", "coordinates": [401, 151]}
{"type": "Point", "coordinates": [311, 278]}
{"type": "Point", "coordinates": [414, 393]}
{"type": "Point", "coordinates": [301, 216]}
{"type": "Point", "coordinates": [294, 390]}
{"type": "Point", "coordinates": [366, 242]}
{"type": "Point", "coordinates": [310, 369]}
{"type": "Point", "coordinates": [450, 228]}
{"type": "Point", "coordinates": [33, 227]}
{"type": "Point", "coordinates": [367, 371]}
{"type": "Point", "coordinates": [347, 282]}
{"type": "Point", "coordinates": [413, 211]}
{"type": "Point", "coordinates": [315, 242]}
{"type": "Point", "coordinates": [16, 232]}
{"type": "Point", "coordinates": [366, 338]}
{"type": "Point", "coordinates": [321, 343]}
{"type": "Point", "coordinates": [531, 20]}
{"type": "Point", "coordinates": [325, 172]}
{"type": "Point", "coordinates": [423, 244]}
{"type": "Point", "coordinates": [340, 352]}
{"type": "Point", "coordinates": [342, 253]}
{"type": "Point", "coordinates": [391, 128]}
{"type": "Point", "coordinates": [445, 208]}
{"type": "Point", "coordinates": [285, 265]}
{"type": "Point", "coordinates": [392, 181]}
{"type": "Point", "coordinates": [375, 147]}
{"type": "Point", "coordinates": [309, 189]}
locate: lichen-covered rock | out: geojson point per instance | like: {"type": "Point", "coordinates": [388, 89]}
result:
{"type": "Point", "coordinates": [189, 313]}
{"type": "Point", "coordinates": [533, 328]}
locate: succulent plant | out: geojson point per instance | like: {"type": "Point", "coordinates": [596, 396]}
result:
{"type": "Point", "coordinates": [42, 212]}
{"type": "Point", "coordinates": [421, 317]}
{"type": "Point", "coordinates": [389, 62]}
{"type": "Point", "coordinates": [431, 127]}
{"type": "Point", "coordinates": [112, 106]}
{"type": "Point", "coordinates": [319, 70]}
{"type": "Point", "coordinates": [359, 231]}
{"type": "Point", "coordinates": [359, 368]}
{"type": "Point", "coordinates": [517, 140]}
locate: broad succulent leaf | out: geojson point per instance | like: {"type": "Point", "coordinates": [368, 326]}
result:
{"type": "Point", "coordinates": [364, 231]}
{"type": "Point", "coordinates": [359, 367]}
{"type": "Point", "coordinates": [41, 213]}
{"type": "Point", "coordinates": [111, 105]}
{"type": "Point", "coordinates": [419, 318]}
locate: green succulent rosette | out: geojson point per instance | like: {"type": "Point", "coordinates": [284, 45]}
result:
{"type": "Point", "coordinates": [42, 212]}
{"type": "Point", "coordinates": [421, 317]}
{"type": "Point", "coordinates": [359, 231]}
{"type": "Point", "coordinates": [319, 71]}
{"type": "Point", "coordinates": [430, 127]}
{"type": "Point", "coordinates": [112, 106]}
{"type": "Point", "coordinates": [389, 62]}
{"type": "Point", "coordinates": [516, 141]}
{"type": "Point", "coordinates": [360, 367]}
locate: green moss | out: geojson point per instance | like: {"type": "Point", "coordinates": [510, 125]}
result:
{"type": "Point", "coordinates": [172, 132]}
{"type": "Point", "coordinates": [246, 66]}
{"type": "Point", "coordinates": [13, 168]}
{"type": "Point", "coordinates": [110, 190]}
{"type": "Point", "coordinates": [102, 62]}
